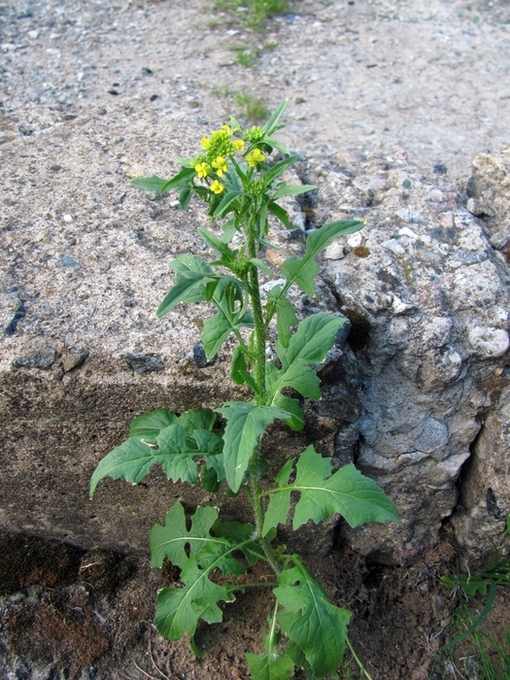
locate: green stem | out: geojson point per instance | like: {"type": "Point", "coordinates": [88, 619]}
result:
{"type": "Point", "coordinates": [259, 364]}
{"type": "Point", "coordinates": [364, 672]}
{"type": "Point", "coordinates": [255, 497]}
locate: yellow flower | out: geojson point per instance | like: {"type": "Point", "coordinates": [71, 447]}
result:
{"type": "Point", "coordinates": [217, 187]}
{"type": "Point", "coordinates": [256, 156]}
{"type": "Point", "coordinates": [239, 144]}
{"type": "Point", "coordinates": [202, 170]}
{"type": "Point", "coordinates": [219, 165]}
{"type": "Point", "coordinates": [205, 143]}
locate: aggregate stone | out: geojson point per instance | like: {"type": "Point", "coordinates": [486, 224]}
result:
{"type": "Point", "coordinates": [70, 147]}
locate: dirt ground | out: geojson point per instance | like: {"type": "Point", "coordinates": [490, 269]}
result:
{"type": "Point", "coordinates": [428, 80]}
{"type": "Point", "coordinates": [71, 614]}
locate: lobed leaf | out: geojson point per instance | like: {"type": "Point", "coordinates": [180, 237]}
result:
{"type": "Point", "coordinates": [314, 337]}
{"type": "Point", "coordinates": [178, 610]}
{"type": "Point", "coordinates": [162, 437]}
{"type": "Point", "coordinates": [355, 497]}
{"type": "Point", "coordinates": [271, 665]}
{"type": "Point", "coordinates": [147, 426]}
{"type": "Point", "coordinates": [192, 277]}
{"type": "Point", "coordinates": [246, 423]}
{"type": "Point", "coordinates": [173, 539]}
{"type": "Point", "coordinates": [317, 627]}
{"type": "Point", "coordinates": [303, 271]}
{"type": "Point", "coordinates": [199, 551]}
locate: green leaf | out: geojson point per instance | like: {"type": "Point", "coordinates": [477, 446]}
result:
{"type": "Point", "coordinates": [185, 196]}
{"type": "Point", "coordinates": [230, 318]}
{"type": "Point", "coordinates": [147, 426]}
{"type": "Point", "coordinates": [178, 610]}
{"type": "Point", "coordinates": [156, 185]}
{"type": "Point", "coordinates": [242, 534]}
{"type": "Point", "coordinates": [279, 503]}
{"type": "Point", "coordinates": [355, 497]}
{"type": "Point", "coordinates": [175, 446]}
{"type": "Point", "coordinates": [260, 265]}
{"type": "Point", "coordinates": [274, 119]}
{"type": "Point", "coordinates": [152, 183]}
{"type": "Point", "coordinates": [316, 626]}
{"type": "Point", "coordinates": [311, 342]}
{"type": "Point", "coordinates": [240, 373]}
{"type": "Point", "coordinates": [278, 168]}
{"type": "Point", "coordinates": [270, 665]}
{"type": "Point", "coordinates": [225, 205]}
{"type": "Point", "coordinates": [173, 540]}
{"type": "Point", "coordinates": [313, 339]}
{"type": "Point", "coordinates": [182, 180]}
{"type": "Point", "coordinates": [193, 274]}
{"type": "Point", "coordinates": [285, 190]}
{"type": "Point", "coordinates": [280, 214]}
{"type": "Point", "coordinates": [197, 419]}
{"type": "Point", "coordinates": [302, 271]}
{"type": "Point", "coordinates": [246, 423]}
{"type": "Point", "coordinates": [199, 553]}
{"type": "Point", "coordinates": [285, 319]}
{"type": "Point", "coordinates": [228, 255]}
{"type": "Point", "coordinates": [297, 420]}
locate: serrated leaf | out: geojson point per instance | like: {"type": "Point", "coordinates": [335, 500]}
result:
{"type": "Point", "coordinates": [303, 271]}
{"type": "Point", "coordinates": [173, 539]}
{"type": "Point", "coordinates": [175, 446]}
{"type": "Point", "coordinates": [190, 286]}
{"type": "Point", "coordinates": [178, 610]}
{"type": "Point", "coordinates": [355, 497]}
{"type": "Point", "coordinates": [270, 666]}
{"type": "Point", "coordinates": [147, 426]}
{"type": "Point", "coordinates": [197, 419]}
{"type": "Point", "coordinates": [314, 337]}
{"type": "Point", "coordinates": [316, 626]}
{"type": "Point", "coordinates": [199, 553]}
{"type": "Point", "coordinates": [246, 422]}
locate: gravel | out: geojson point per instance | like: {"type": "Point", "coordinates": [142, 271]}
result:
{"type": "Point", "coordinates": [381, 77]}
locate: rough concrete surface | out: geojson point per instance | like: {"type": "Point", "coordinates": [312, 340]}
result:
{"type": "Point", "coordinates": [84, 256]}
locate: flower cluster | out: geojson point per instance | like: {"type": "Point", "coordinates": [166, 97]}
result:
{"type": "Point", "coordinates": [220, 147]}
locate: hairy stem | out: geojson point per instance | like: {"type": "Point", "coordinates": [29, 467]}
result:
{"type": "Point", "coordinates": [259, 366]}
{"type": "Point", "coordinates": [255, 497]}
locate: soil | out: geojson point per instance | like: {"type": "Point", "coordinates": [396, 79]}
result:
{"type": "Point", "coordinates": [430, 81]}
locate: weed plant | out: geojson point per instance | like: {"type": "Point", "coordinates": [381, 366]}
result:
{"type": "Point", "coordinates": [238, 176]}
{"type": "Point", "coordinates": [483, 657]}
{"type": "Point", "coordinates": [253, 12]}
